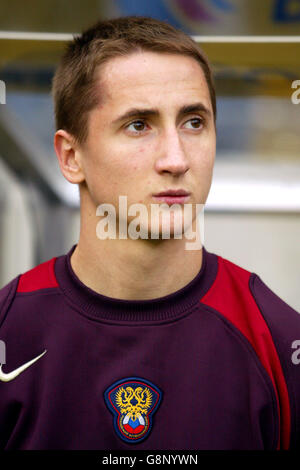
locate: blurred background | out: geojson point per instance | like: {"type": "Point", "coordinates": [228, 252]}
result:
{"type": "Point", "coordinates": [252, 216]}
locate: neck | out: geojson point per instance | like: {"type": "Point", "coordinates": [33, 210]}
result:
{"type": "Point", "coordinates": [132, 269]}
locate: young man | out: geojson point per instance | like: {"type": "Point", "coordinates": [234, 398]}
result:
{"type": "Point", "coordinates": [135, 342]}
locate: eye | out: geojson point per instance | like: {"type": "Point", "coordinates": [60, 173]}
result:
{"type": "Point", "coordinates": [197, 123]}
{"type": "Point", "coordinates": [136, 126]}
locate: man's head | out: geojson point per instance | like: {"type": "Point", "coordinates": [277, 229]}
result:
{"type": "Point", "coordinates": [135, 113]}
{"type": "Point", "coordinates": [76, 90]}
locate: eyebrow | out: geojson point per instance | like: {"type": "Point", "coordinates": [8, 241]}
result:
{"type": "Point", "coordinates": [154, 112]}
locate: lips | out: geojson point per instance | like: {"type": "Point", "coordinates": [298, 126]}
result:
{"type": "Point", "coordinates": [172, 193]}
{"type": "Point", "coordinates": [172, 196]}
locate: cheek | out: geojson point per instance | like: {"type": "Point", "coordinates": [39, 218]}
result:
{"type": "Point", "coordinates": [134, 164]}
{"type": "Point", "coordinates": [126, 158]}
{"type": "Point", "coordinates": [205, 156]}
{"type": "Point", "coordinates": [117, 171]}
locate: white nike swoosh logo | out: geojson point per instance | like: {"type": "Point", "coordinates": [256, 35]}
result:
{"type": "Point", "coordinates": [12, 375]}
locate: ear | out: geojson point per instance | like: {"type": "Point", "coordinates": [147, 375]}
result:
{"type": "Point", "coordinates": [69, 156]}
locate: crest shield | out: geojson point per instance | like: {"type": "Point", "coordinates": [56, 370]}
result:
{"type": "Point", "coordinates": [132, 401]}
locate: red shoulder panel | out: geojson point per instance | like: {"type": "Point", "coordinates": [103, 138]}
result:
{"type": "Point", "coordinates": [230, 295]}
{"type": "Point", "coordinates": [40, 277]}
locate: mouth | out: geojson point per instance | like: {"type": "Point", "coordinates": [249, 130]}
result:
{"type": "Point", "coordinates": [172, 196]}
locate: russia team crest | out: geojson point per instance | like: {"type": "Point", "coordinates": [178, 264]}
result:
{"type": "Point", "coordinates": [132, 401]}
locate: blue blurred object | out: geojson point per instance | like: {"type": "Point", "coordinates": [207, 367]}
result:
{"type": "Point", "coordinates": [154, 9]}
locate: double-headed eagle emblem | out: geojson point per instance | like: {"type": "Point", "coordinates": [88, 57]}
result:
{"type": "Point", "coordinates": [132, 402]}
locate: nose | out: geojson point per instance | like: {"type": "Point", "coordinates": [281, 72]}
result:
{"type": "Point", "coordinates": [172, 157]}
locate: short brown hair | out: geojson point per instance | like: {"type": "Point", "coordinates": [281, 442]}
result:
{"type": "Point", "coordinates": [73, 85]}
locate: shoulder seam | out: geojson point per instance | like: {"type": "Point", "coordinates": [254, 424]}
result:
{"type": "Point", "coordinates": [265, 378]}
{"type": "Point", "coordinates": [287, 378]}
{"type": "Point", "coordinates": [39, 277]}
{"type": "Point", "coordinates": [44, 291]}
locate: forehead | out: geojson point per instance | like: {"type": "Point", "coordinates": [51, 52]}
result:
{"type": "Point", "coordinates": [149, 77]}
